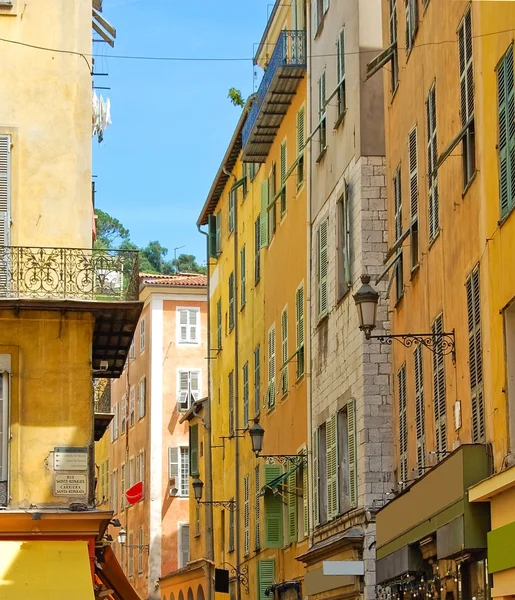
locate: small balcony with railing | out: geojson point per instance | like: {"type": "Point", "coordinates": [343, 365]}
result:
{"type": "Point", "coordinates": [102, 406]}
{"type": "Point", "coordinates": [285, 70]}
{"type": "Point", "coordinates": [102, 282]}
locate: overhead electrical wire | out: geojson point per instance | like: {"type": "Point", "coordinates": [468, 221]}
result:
{"type": "Point", "coordinates": [227, 58]}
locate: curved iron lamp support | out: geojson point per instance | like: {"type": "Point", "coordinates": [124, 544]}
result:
{"type": "Point", "coordinates": [286, 459]}
{"type": "Point", "coordinates": [241, 575]}
{"type": "Point", "coordinates": [228, 504]}
{"type": "Point", "coordinates": [440, 344]}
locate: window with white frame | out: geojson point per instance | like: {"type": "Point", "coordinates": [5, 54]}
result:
{"type": "Point", "coordinates": [318, 10]}
{"type": "Point", "coordinates": [142, 397]}
{"type": "Point", "coordinates": [188, 325]}
{"type": "Point", "coordinates": [178, 458]}
{"type": "Point", "coordinates": [123, 415]}
{"type": "Point", "coordinates": [188, 388]}
{"type": "Point", "coordinates": [132, 472]}
{"type": "Point", "coordinates": [142, 335]}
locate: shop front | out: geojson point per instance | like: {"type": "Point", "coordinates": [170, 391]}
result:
{"type": "Point", "coordinates": [499, 491]}
{"type": "Point", "coordinates": [431, 541]}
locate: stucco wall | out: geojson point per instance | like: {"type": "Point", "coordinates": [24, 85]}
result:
{"type": "Point", "coordinates": [45, 105]}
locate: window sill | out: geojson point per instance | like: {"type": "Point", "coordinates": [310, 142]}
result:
{"type": "Point", "coordinates": [394, 93]}
{"type": "Point", "coordinates": [270, 409]}
{"type": "Point", "coordinates": [300, 185]}
{"type": "Point", "coordinates": [414, 271]}
{"type": "Point", "coordinates": [242, 307]}
{"type": "Point", "coordinates": [469, 184]}
{"type": "Point", "coordinates": [343, 295]}
{"type": "Point", "coordinates": [321, 155]}
{"type": "Point", "coordinates": [299, 378]}
{"type": "Point", "coordinates": [284, 396]}
{"type": "Point", "coordinates": [188, 343]}
{"type": "Point", "coordinates": [399, 300]}
{"type": "Point", "coordinates": [340, 119]}
{"type": "Point", "coordinates": [322, 318]}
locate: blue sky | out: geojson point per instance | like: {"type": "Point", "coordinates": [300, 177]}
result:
{"type": "Point", "coordinates": [171, 121]}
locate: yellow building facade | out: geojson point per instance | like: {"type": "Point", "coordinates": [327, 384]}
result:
{"type": "Point", "coordinates": [255, 215]}
{"type": "Point", "coordinates": [448, 93]}
{"type": "Point", "coordinates": [67, 312]}
{"type": "Point", "coordinates": [496, 105]}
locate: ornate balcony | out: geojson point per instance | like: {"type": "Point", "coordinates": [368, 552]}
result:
{"type": "Point", "coordinates": [102, 406]}
{"type": "Point", "coordinates": [278, 86]}
{"type": "Point", "coordinates": [69, 273]}
{"type": "Point", "coordinates": [104, 283]}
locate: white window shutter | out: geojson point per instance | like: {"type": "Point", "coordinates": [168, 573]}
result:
{"type": "Point", "coordinates": [325, 6]}
{"type": "Point", "coordinates": [332, 467]}
{"type": "Point", "coordinates": [183, 325]}
{"type": "Point", "coordinates": [316, 499]}
{"type": "Point", "coordinates": [5, 189]}
{"type": "Point", "coordinates": [323, 301]}
{"type": "Point", "coordinates": [183, 396]}
{"type": "Point", "coordinates": [413, 172]}
{"type": "Point", "coordinates": [193, 325]}
{"type": "Point", "coordinates": [314, 14]}
{"type": "Point", "coordinates": [173, 462]}
{"type": "Point", "coordinates": [184, 541]}
{"type": "Point", "coordinates": [195, 384]}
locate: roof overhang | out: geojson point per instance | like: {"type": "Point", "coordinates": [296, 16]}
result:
{"type": "Point", "coordinates": [487, 489]}
{"type": "Point", "coordinates": [228, 163]}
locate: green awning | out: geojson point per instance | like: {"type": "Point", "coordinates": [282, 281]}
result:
{"type": "Point", "coordinates": [273, 485]}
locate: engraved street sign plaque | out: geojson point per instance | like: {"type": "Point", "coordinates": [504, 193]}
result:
{"type": "Point", "coordinates": [71, 485]}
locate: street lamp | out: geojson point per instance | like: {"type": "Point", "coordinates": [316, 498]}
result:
{"type": "Point", "coordinates": [122, 536]}
{"type": "Point", "coordinates": [257, 433]}
{"type": "Point", "coordinates": [198, 486]}
{"type": "Point", "coordinates": [366, 300]}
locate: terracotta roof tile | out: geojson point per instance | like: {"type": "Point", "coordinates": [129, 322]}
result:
{"type": "Point", "coordinates": [183, 279]}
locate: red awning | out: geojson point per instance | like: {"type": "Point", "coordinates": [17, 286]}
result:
{"type": "Point", "coordinates": [112, 576]}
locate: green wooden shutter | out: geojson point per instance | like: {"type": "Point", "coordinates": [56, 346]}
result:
{"type": "Point", "coordinates": [194, 470]}
{"type": "Point", "coordinates": [246, 515]}
{"type": "Point", "coordinates": [506, 132]}
{"type": "Point", "coordinates": [323, 284]}
{"type": "Point", "coordinates": [299, 310]}
{"type": "Point", "coordinates": [231, 300]}
{"type": "Point", "coordinates": [245, 394]}
{"type": "Point", "coordinates": [413, 172]}
{"type": "Point", "coordinates": [218, 232]}
{"type": "Point", "coordinates": [403, 425]}
{"type": "Point", "coordinates": [300, 130]}
{"type": "Point", "coordinates": [305, 498]}
{"type": "Point", "coordinates": [257, 511]}
{"type": "Point", "coordinates": [352, 452]}
{"type": "Point", "coordinates": [257, 382]}
{"type": "Point", "coordinates": [284, 351]}
{"type": "Point", "coordinates": [211, 228]}
{"type": "Point", "coordinates": [219, 324]}
{"type": "Point", "coordinates": [271, 366]}
{"type": "Point", "coordinates": [332, 467]}
{"type": "Point", "coordinates": [292, 507]}
{"type": "Point", "coordinates": [273, 510]}
{"type": "Point", "coordinates": [231, 530]}
{"type": "Point", "coordinates": [243, 280]}
{"type": "Point", "coordinates": [257, 249]}
{"type": "Point", "coordinates": [231, 403]}
{"type": "Point", "coordinates": [232, 196]}
{"type": "Point", "coordinates": [314, 455]}
{"type": "Point", "coordinates": [420, 417]}
{"type": "Point", "coordinates": [264, 214]}
{"type": "Point", "coordinates": [266, 576]}
{"type": "Point", "coordinates": [475, 356]}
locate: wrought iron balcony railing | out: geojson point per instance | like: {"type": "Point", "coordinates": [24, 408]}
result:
{"type": "Point", "coordinates": [102, 396]}
{"type": "Point", "coordinates": [68, 274]}
{"type": "Point", "coordinates": [289, 55]}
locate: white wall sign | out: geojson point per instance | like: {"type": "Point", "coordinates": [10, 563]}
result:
{"type": "Point", "coordinates": [70, 459]}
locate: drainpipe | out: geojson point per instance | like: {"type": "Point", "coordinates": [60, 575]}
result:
{"type": "Point", "coordinates": [307, 358]}
{"type": "Point", "coordinates": [208, 456]}
{"type": "Point", "coordinates": [236, 386]}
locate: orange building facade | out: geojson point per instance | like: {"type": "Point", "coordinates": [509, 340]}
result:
{"type": "Point", "coordinates": [165, 373]}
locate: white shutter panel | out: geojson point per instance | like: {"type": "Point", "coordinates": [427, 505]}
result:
{"type": "Point", "coordinates": [195, 384]}
{"type": "Point", "coordinates": [183, 324]}
{"type": "Point", "coordinates": [184, 380]}
{"type": "Point", "coordinates": [193, 325]}
{"type": "Point", "coordinates": [325, 6]}
{"type": "Point", "coordinates": [332, 467]}
{"type": "Point", "coordinates": [185, 545]}
{"type": "Point", "coordinates": [5, 188]}
{"type": "Point", "coordinates": [314, 11]}
{"type": "Point", "coordinates": [173, 464]}
{"type": "Point", "coordinates": [323, 304]}
{"type": "Point", "coordinates": [314, 455]}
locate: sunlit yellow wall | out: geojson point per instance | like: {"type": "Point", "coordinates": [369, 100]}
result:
{"type": "Point", "coordinates": [51, 398]}
{"type": "Point", "coordinates": [498, 273]}
{"type": "Point", "coordinates": [45, 105]}
{"type": "Point", "coordinates": [283, 269]}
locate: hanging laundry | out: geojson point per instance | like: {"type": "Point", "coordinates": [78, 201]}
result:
{"type": "Point", "coordinates": [101, 118]}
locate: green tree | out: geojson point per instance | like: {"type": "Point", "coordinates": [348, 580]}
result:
{"type": "Point", "coordinates": [187, 263]}
{"type": "Point", "coordinates": [235, 97]}
{"type": "Point", "coordinates": [110, 232]}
